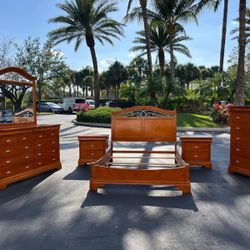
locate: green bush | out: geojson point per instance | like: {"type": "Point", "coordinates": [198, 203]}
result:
{"type": "Point", "coordinates": [99, 115]}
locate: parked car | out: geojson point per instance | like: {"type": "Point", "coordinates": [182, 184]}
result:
{"type": "Point", "coordinates": [49, 107]}
{"type": "Point", "coordinates": [120, 104]}
{"type": "Point", "coordinates": [71, 104]}
{"type": "Point", "coordinates": [6, 116]}
{"type": "Point", "coordinates": [91, 103]}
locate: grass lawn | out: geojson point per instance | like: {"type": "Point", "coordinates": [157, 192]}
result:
{"type": "Point", "coordinates": [195, 120]}
{"type": "Point", "coordinates": [45, 113]}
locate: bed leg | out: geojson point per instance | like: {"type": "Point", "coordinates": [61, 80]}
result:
{"type": "Point", "coordinates": [186, 188]}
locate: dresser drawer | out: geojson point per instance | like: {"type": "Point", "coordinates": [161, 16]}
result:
{"type": "Point", "coordinates": [8, 140]}
{"type": "Point", "coordinates": [24, 138]}
{"type": "Point", "coordinates": [90, 145]}
{"type": "Point", "coordinates": [240, 138]}
{"type": "Point", "coordinates": [242, 129]}
{"type": "Point", "coordinates": [17, 160]}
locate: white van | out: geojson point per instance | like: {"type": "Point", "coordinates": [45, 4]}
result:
{"type": "Point", "coordinates": [71, 104]}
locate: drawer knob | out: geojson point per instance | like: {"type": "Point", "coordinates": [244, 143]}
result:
{"type": "Point", "coordinates": [92, 154]}
{"type": "Point", "coordinates": [196, 147]}
{"type": "Point", "coordinates": [92, 145]}
{"type": "Point", "coordinates": [237, 149]}
{"type": "Point", "coordinates": [39, 154]}
{"type": "Point", "coordinates": [53, 151]}
{"type": "Point", "coordinates": [237, 138]}
{"type": "Point", "coordinates": [40, 136]}
{"type": "Point", "coordinates": [39, 163]}
{"type": "Point", "coordinates": [238, 128]}
{"type": "Point", "coordinates": [24, 138]}
{"type": "Point", "coordinates": [27, 157]}
{"type": "Point", "coordinates": [237, 117]}
{"type": "Point", "coordinates": [237, 161]}
{"type": "Point", "coordinates": [39, 145]}
{"type": "Point", "coordinates": [53, 142]}
{"type": "Point", "coordinates": [8, 172]}
{"type": "Point", "coordinates": [8, 141]}
{"type": "Point", "coordinates": [26, 147]}
{"type": "Point", "coordinates": [52, 134]}
{"type": "Point", "coordinates": [196, 156]}
{"type": "Point", "coordinates": [8, 162]}
{"type": "Point", "coordinates": [7, 151]}
{"type": "Point", "coordinates": [53, 159]}
{"type": "Point", "coordinates": [27, 167]}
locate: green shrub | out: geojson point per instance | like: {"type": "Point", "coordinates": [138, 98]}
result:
{"type": "Point", "coordinates": [99, 115]}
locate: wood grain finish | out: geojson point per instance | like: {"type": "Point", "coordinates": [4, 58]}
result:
{"type": "Point", "coordinates": [196, 151]}
{"type": "Point", "coordinates": [91, 148]}
{"type": "Point", "coordinates": [141, 124]}
{"type": "Point", "coordinates": [240, 141]}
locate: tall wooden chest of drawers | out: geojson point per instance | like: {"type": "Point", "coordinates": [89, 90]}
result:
{"type": "Point", "coordinates": [196, 150]}
{"type": "Point", "coordinates": [240, 140]}
{"type": "Point", "coordinates": [28, 151]}
{"type": "Point", "coordinates": [92, 147]}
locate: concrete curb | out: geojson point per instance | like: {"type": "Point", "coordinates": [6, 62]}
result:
{"type": "Point", "coordinates": [179, 129]}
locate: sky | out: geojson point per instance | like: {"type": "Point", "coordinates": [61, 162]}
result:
{"type": "Point", "coordinates": [20, 19]}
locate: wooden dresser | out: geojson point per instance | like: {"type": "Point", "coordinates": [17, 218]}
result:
{"type": "Point", "coordinates": [26, 149]}
{"type": "Point", "coordinates": [92, 147]}
{"type": "Point", "coordinates": [196, 150]}
{"type": "Point", "coordinates": [240, 140]}
{"type": "Point", "coordinates": [27, 152]}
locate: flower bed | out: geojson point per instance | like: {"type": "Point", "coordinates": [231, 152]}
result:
{"type": "Point", "coordinates": [220, 113]}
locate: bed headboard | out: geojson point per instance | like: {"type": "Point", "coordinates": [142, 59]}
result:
{"type": "Point", "coordinates": [144, 124]}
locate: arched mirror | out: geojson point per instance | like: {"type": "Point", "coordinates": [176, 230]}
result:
{"type": "Point", "coordinates": [17, 98]}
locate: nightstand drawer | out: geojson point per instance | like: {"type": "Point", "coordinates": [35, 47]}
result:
{"type": "Point", "coordinates": [197, 156]}
{"type": "Point", "coordinates": [194, 147]}
{"type": "Point", "coordinates": [90, 145]}
{"type": "Point", "coordinates": [92, 154]}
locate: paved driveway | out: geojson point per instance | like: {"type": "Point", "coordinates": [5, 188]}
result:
{"type": "Point", "coordinates": [56, 211]}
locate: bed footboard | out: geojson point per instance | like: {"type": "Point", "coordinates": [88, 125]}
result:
{"type": "Point", "coordinates": [177, 177]}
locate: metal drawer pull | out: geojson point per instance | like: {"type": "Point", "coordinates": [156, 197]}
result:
{"type": "Point", "coordinates": [196, 156]}
{"type": "Point", "coordinates": [24, 138]}
{"type": "Point", "coordinates": [53, 159]}
{"type": "Point", "coordinates": [53, 142]}
{"type": "Point", "coordinates": [8, 140]}
{"type": "Point", "coordinates": [39, 163]}
{"type": "Point", "coordinates": [27, 167]}
{"type": "Point", "coordinates": [196, 147]}
{"type": "Point", "coordinates": [8, 162]}
{"type": "Point", "coordinates": [26, 147]}
{"type": "Point", "coordinates": [40, 136]}
{"type": "Point", "coordinates": [237, 117]}
{"type": "Point", "coordinates": [7, 151]}
{"type": "Point", "coordinates": [237, 138]}
{"type": "Point", "coordinates": [237, 161]}
{"type": "Point", "coordinates": [237, 149]}
{"type": "Point", "coordinates": [27, 157]}
{"type": "Point", "coordinates": [52, 134]}
{"type": "Point", "coordinates": [8, 172]}
{"type": "Point", "coordinates": [53, 151]}
{"type": "Point", "coordinates": [238, 128]}
{"type": "Point", "coordinates": [39, 154]}
{"type": "Point", "coordinates": [39, 145]}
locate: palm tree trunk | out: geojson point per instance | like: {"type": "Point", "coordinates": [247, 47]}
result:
{"type": "Point", "coordinates": [96, 83]}
{"type": "Point", "coordinates": [172, 63]}
{"type": "Point", "coordinates": [240, 85]}
{"type": "Point", "coordinates": [147, 35]}
{"type": "Point", "coordinates": [161, 57]}
{"type": "Point", "coordinates": [224, 33]}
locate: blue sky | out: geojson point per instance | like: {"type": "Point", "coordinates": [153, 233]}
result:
{"type": "Point", "coordinates": [20, 19]}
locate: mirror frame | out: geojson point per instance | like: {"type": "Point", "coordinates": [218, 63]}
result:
{"type": "Point", "coordinates": [31, 82]}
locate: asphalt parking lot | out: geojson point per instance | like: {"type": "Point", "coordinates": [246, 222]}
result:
{"type": "Point", "coordinates": [56, 210]}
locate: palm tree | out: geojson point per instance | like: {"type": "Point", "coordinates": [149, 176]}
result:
{"type": "Point", "coordinates": [173, 13]}
{"type": "Point", "coordinates": [87, 20]}
{"type": "Point", "coordinates": [131, 16]}
{"type": "Point", "coordinates": [159, 43]}
{"type": "Point", "coordinates": [215, 4]}
{"type": "Point", "coordinates": [240, 85]}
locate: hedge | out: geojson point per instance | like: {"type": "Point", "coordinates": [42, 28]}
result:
{"type": "Point", "coordinates": [99, 115]}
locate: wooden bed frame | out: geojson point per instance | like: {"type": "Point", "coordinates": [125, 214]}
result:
{"type": "Point", "coordinates": [142, 124]}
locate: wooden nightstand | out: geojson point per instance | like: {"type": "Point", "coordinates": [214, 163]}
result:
{"type": "Point", "coordinates": [91, 147]}
{"type": "Point", "coordinates": [196, 150]}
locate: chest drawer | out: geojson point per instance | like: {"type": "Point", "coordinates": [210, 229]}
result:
{"type": "Point", "coordinates": [240, 118]}
{"type": "Point", "coordinates": [8, 140]}
{"type": "Point", "coordinates": [24, 138]}
{"type": "Point", "coordinates": [240, 150]}
{"type": "Point", "coordinates": [240, 138]}
{"type": "Point", "coordinates": [240, 162]}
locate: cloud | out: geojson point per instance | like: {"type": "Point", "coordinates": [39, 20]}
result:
{"type": "Point", "coordinates": [234, 23]}
{"type": "Point", "coordinates": [198, 59]}
{"type": "Point", "coordinates": [57, 53]}
{"type": "Point", "coordinates": [105, 63]}
{"type": "Point", "coordinates": [132, 54]}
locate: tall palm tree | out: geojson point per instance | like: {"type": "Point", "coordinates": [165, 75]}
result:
{"type": "Point", "coordinates": [215, 4]}
{"type": "Point", "coordinates": [131, 16]}
{"type": "Point", "coordinates": [240, 85]}
{"type": "Point", "coordinates": [87, 20]}
{"type": "Point", "coordinates": [159, 43]}
{"type": "Point", "coordinates": [173, 14]}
